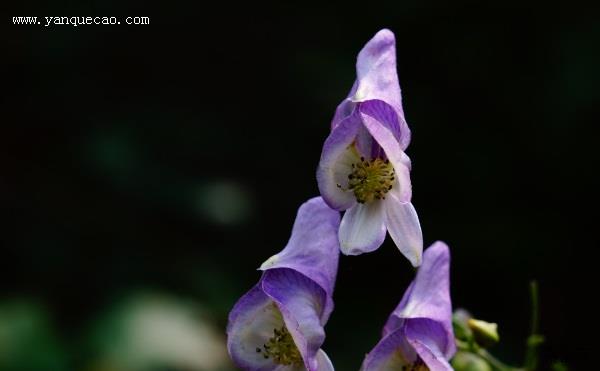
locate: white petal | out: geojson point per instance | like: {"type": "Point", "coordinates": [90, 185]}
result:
{"type": "Point", "coordinates": [403, 225]}
{"type": "Point", "coordinates": [333, 179]}
{"type": "Point", "coordinates": [362, 228]}
{"type": "Point", "coordinates": [252, 327]}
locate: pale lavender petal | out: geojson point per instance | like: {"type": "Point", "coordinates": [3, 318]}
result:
{"type": "Point", "coordinates": [345, 108]}
{"type": "Point", "coordinates": [434, 360]}
{"type": "Point", "coordinates": [251, 324]}
{"type": "Point", "coordinates": [313, 248]}
{"type": "Point", "coordinates": [301, 302]}
{"type": "Point", "coordinates": [377, 78]}
{"type": "Point", "coordinates": [323, 361]}
{"type": "Point", "coordinates": [403, 225]}
{"type": "Point", "coordinates": [362, 228]}
{"type": "Point", "coordinates": [429, 296]}
{"type": "Point", "coordinates": [373, 116]}
{"type": "Point", "coordinates": [391, 353]}
{"type": "Point", "coordinates": [430, 334]}
{"type": "Point", "coordinates": [394, 322]}
{"type": "Point", "coordinates": [366, 145]}
{"type": "Point", "coordinates": [335, 164]}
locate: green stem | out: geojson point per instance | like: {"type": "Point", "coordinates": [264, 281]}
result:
{"type": "Point", "coordinates": [535, 339]}
{"type": "Point", "coordinates": [494, 362]}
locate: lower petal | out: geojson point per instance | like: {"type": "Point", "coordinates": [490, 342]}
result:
{"type": "Point", "coordinates": [323, 362]}
{"type": "Point", "coordinates": [434, 360]}
{"type": "Point", "coordinates": [403, 225]}
{"type": "Point", "coordinates": [362, 228]}
{"type": "Point", "coordinates": [393, 352]}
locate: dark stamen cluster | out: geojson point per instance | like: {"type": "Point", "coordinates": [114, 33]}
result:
{"type": "Point", "coordinates": [416, 366]}
{"type": "Point", "coordinates": [281, 348]}
{"type": "Point", "coordinates": [371, 179]}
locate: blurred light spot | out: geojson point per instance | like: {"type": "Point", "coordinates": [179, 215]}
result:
{"type": "Point", "coordinates": [150, 331]}
{"type": "Point", "coordinates": [27, 339]}
{"type": "Point", "coordinates": [224, 202]}
{"type": "Point", "coordinates": [113, 153]}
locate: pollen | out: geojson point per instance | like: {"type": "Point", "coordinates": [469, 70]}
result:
{"type": "Point", "coordinates": [370, 180]}
{"type": "Point", "coordinates": [281, 348]}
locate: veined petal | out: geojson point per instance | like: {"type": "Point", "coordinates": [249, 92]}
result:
{"type": "Point", "coordinates": [313, 248]}
{"type": "Point", "coordinates": [430, 340]}
{"type": "Point", "coordinates": [301, 302]}
{"type": "Point", "coordinates": [366, 145]}
{"type": "Point", "coordinates": [374, 116]}
{"type": "Point", "coordinates": [391, 353]}
{"type": "Point", "coordinates": [335, 164]}
{"type": "Point", "coordinates": [377, 78]}
{"type": "Point", "coordinates": [323, 361]}
{"type": "Point", "coordinates": [251, 324]}
{"type": "Point", "coordinates": [362, 228]}
{"type": "Point", "coordinates": [434, 360]}
{"type": "Point", "coordinates": [403, 225]}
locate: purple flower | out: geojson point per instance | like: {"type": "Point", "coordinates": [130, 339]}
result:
{"type": "Point", "coordinates": [363, 167]}
{"type": "Point", "coordinates": [418, 334]}
{"type": "Point", "coordinates": [278, 324]}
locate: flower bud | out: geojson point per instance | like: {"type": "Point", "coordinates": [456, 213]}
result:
{"type": "Point", "coordinates": [485, 333]}
{"type": "Point", "coordinates": [464, 361]}
{"type": "Point", "coordinates": [460, 318]}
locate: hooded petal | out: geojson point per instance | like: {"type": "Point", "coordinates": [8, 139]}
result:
{"type": "Point", "coordinates": [376, 78]}
{"type": "Point", "coordinates": [251, 324]}
{"type": "Point", "coordinates": [428, 297]}
{"type": "Point", "coordinates": [362, 228]}
{"type": "Point", "coordinates": [420, 328]}
{"type": "Point", "coordinates": [313, 248]}
{"type": "Point", "coordinates": [301, 302]}
{"type": "Point", "coordinates": [295, 292]}
{"type": "Point", "coordinates": [403, 225]}
{"type": "Point", "coordinates": [335, 164]}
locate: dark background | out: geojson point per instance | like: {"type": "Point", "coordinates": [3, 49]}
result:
{"type": "Point", "coordinates": [171, 159]}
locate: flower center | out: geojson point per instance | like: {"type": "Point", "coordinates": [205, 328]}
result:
{"type": "Point", "coordinates": [281, 348]}
{"type": "Point", "coordinates": [371, 179]}
{"type": "Point", "coordinates": [417, 366]}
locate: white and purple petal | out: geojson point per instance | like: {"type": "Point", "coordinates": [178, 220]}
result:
{"type": "Point", "coordinates": [335, 164]}
{"type": "Point", "coordinates": [362, 228]}
{"type": "Point", "coordinates": [374, 115]}
{"type": "Point", "coordinates": [323, 361]}
{"type": "Point", "coordinates": [402, 223]}
{"type": "Point", "coordinates": [251, 324]}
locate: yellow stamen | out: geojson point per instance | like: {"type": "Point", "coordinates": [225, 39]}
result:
{"type": "Point", "coordinates": [371, 180]}
{"type": "Point", "coordinates": [281, 348]}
